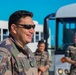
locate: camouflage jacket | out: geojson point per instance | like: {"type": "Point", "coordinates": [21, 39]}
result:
{"type": "Point", "coordinates": [71, 52]}
{"type": "Point", "coordinates": [43, 59]}
{"type": "Point", "coordinates": [16, 61]}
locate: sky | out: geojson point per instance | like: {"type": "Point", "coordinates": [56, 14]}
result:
{"type": "Point", "coordinates": [40, 8]}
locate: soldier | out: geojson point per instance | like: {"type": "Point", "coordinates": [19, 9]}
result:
{"type": "Point", "coordinates": [70, 57]}
{"type": "Point", "coordinates": [43, 59]}
{"type": "Point", "coordinates": [15, 57]}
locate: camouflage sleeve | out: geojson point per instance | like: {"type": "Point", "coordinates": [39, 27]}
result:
{"type": "Point", "coordinates": [49, 60]}
{"type": "Point", "coordinates": [68, 52]}
{"type": "Point", "coordinates": [5, 64]}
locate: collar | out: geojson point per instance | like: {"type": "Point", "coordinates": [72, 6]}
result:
{"type": "Point", "coordinates": [20, 49]}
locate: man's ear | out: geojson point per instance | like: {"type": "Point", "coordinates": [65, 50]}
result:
{"type": "Point", "coordinates": [13, 28]}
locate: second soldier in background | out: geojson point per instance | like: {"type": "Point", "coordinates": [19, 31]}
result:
{"type": "Point", "coordinates": [42, 58]}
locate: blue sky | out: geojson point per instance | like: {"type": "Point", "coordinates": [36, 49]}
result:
{"type": "Point", "coordinates": [40, 8]}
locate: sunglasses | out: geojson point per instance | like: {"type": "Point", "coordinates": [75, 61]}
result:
{"type": "Point", "coordinates": [27, 26]}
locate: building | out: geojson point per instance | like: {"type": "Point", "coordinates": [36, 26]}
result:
{"type": "Point", "coordinates": [38, 35]}
{"type": "Point", "coordinates": [3, 29]}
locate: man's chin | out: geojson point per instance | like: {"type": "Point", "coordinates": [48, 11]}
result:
{"type": "Point", "coordinates": [29, 41]}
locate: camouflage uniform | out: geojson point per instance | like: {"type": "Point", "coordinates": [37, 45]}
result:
{"type": "Point", "coordinates": [15, 60]}
{"type": "Point", "coordinates": [43, 59]}
{"type": "Point", "coordinates": [71, 53]}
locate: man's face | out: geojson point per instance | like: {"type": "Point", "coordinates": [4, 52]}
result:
{"type": "Point", "coordinates": [24, 35]}
{"type": "Point", "coordinates": [41, 47]}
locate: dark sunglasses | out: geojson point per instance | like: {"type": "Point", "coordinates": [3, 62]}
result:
{"type": "Point", "coordinates": [26, 26]}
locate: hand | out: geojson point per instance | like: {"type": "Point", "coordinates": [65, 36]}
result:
{"type": "Point", "coordinates": [39, 72]}
{"type": "Point", "coordinates": [42, 68]}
